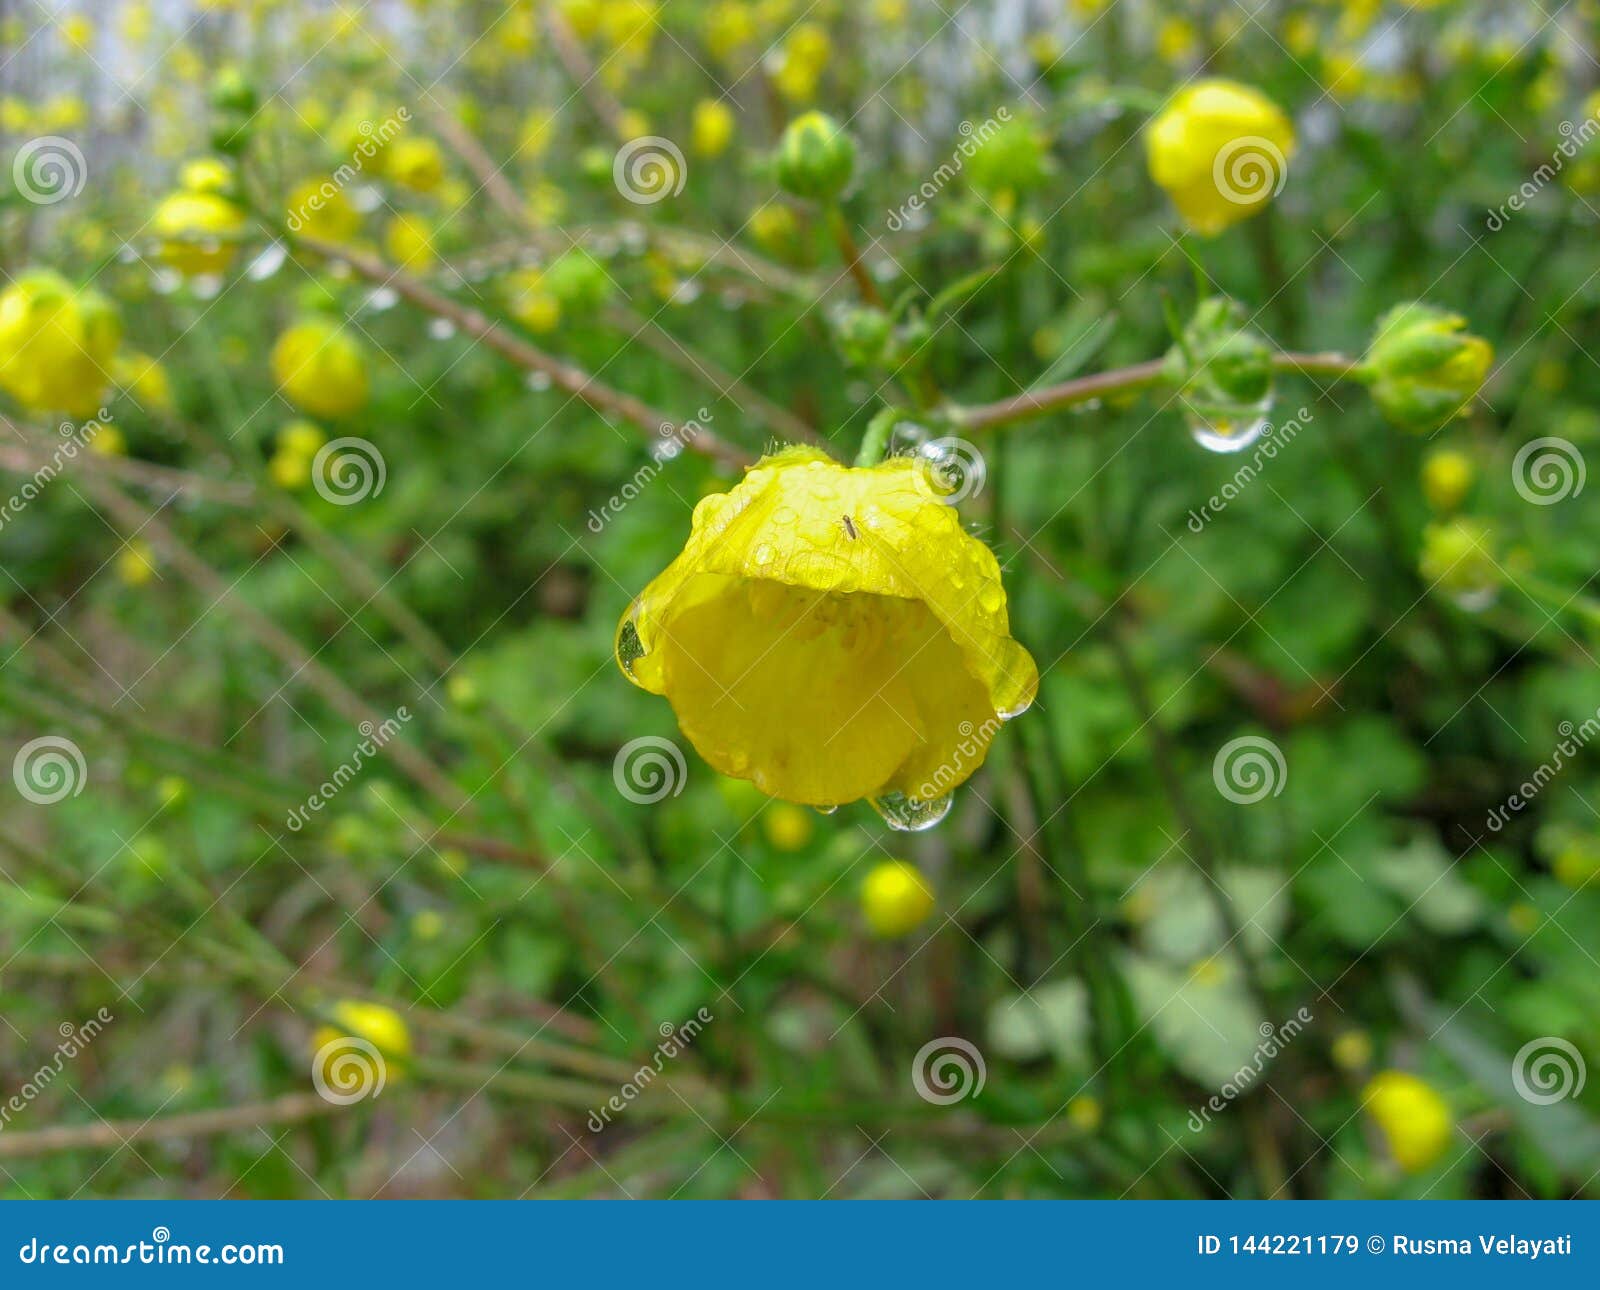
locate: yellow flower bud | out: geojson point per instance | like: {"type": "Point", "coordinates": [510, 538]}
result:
{"type": "Point", "coordinates": [1423, 366]}
{"type": "Point", "coordinates": [409, 242]}
{"type": "Point", "coordinates": [383, 1028]}
{"type": "Point", "coordinates": [415, 162]}
{"type": "Point", "coordinates": [1415, 1121]}
{"type": "Point", "coordinates": [199, 231]}
{"type": "Point", "coordinates": [322, 368]}
{"type": "Point", "coordinates": [1221, 150]}
{"type": "Point", "coordinates": [57, 344]}
{"type": "Point", "coordinates": [320, 210]}
{"type": "Point", "coordinates": [136, 563]}
{"type": "Point", "coordinates": [301, 438]}
{"type": "Point", "coordinates": [1447, 475]}
{"type": "Point", "coordinates": [816, 157]}
{"type": "Point", "coordinates": [895, 899]}
{"type": "Point", "coordinates": [1458, 558]}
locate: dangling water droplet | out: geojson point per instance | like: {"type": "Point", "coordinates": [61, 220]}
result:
{"type": "Point", "coordinates": [537, 382]}
{"type": "Point", "coordinates": [1476, 600]}
{"type": "Point", "coordinates": [267, 262]}
{"type": "Point", "coordinates": [441, 328]}
{"type": "Point", "coordinates": [1015, 710]}
{"type": "Point", "coordinates": [906, 438]}
{"type": "Point", "coordinates": [1227, 429]}
{"type": "Point", "coordinates": [825, 810]}
{"type": "Point", "coordinates": [630, 649]}
{"type": "Point", "coordinates": [908, 815]}
{"type": "Point", "coordinates": [381, 298]}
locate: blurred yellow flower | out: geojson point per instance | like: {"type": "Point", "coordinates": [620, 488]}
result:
{"type": "Point", "coordinates": [1415, 1121]}
{"type": "Point", "coordinates": [199, 231]}
{"type": "Point", "coordinates": [788, 827]}
{"type": "Point", "coordinates": [383, 1028]}
{"type": "Point", "coordinates": [832, 633]}
{"type": "Point", "coordinates": [143, 378]}
{"type": "Point", "coordinates": [409, 242]}
{"type": "Point", "coordinates": [416, 162]}
{"type": "Point", "coordinates": [136, 563]}
{"type": "Point", "coordinates": [108, 441]}
{"type": "Point", "coordinates": [300, 437]}
{"type": "Point", "coordinates": [1447, 474]}
{"type": "Point", "coordinates": [320, 210]}
{"type": "Point", "coordinates": [895, 898]}
{"type": "Point", "coordinates": [712, 127]}
{"type": "Point", "coordinates": [322, 368]}
{"type": "Point", "coordinates": [57, 344]}
{"type": "Point", "coordinates": [1221, 150]}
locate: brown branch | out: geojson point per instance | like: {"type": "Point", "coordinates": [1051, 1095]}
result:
{"type": "Point", "coordinates": [104, 1135]}
{"type": "Point", "coordinates": [574, 380]}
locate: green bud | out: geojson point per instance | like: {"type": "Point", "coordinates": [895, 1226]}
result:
{"type": "Point", "coordinates": [1011, 157]}
{"type": "Point", "coordinates": [595, 163]}
{"type": "Point", "coordinates": [1223, 373]}
{"type": "Point", "coordinates": [815, 158]}
{"type": "Point", "coordinates": [1458, 559]}
{"type": "Point", "coordinates": [863, 335]}
{"type": "Point", "coordinates": [232, 91]}
{"type": "Point", "coordinates": [1424, 367]}
{"type": "Point", "coordinates": [577, 280]}
{"type": "Point", "coordinates": [463, 692]}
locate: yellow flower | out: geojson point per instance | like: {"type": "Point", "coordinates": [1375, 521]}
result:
{"type": "Point", "coordinates": [205, 175]}
{"type": "Point", "coordinates": [199, 231]}
{"type": "Point", "coordinates": [1352, 1050]}
{"type": "Point", "coordinates": [775, 228]}
{"type": "Point", "coordinates": [1176, 40]}
{"type": "Point", "coordinates": [144, 378]}
{"type": "Point", "coordinates": [1446, 476]}
{"type": "Point", "coordinates": [832, 633]}
{"type": "Point", "coordinates": [1424, 366]}
{"type": "Point", "coordinates": [321, 368]}
{"type": "Point", "coordinates": [788, 827]}
{"type": "Point", "coordinates": [895, 899]}
{"type": "Point", "coordinates": [108, 441]}
{"type": "Point", "coordinates": [136, 563]}
{"type": "Point", "coordinates": [416, 163]}
{"type": "Point", "coordinates": [77, 31]}
{"type": "Point", "coordinates": [1221, 150]}
{"type": "Point", "coordinates": [1415, 1120]}
{"type": "Point", "coordinates": [537, 132]}
{"type": "Point", "coordinates": [383, 1028]}
{"type": "Point", "coordinates": [409, 241]}
{"type": "Point", "coordinates": [1084, 1111]}
{"type": "Point", "coordinates": [712, 127]}
{"type": "Point", "coordinates": [289, 470]}
{"type": "Point", "coordinates": [320, 210]}
{"type": "Point", "coordinates": [302, 438]}
{"type": "Point", "coordinates": [56, 344]}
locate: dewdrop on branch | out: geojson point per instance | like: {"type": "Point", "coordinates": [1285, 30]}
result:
{"type": "Point", "coordinates": [833, 634]}
{"type": "Point", "coordinates": [1223, 374]}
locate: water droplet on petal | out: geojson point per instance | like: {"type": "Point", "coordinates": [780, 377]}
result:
{"type": "Point", "coordinates": [630, 649]}
{"type": "Point", "coordinates": [909, 815]}
{"type": "Point", "coordinates": [825, 810]}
